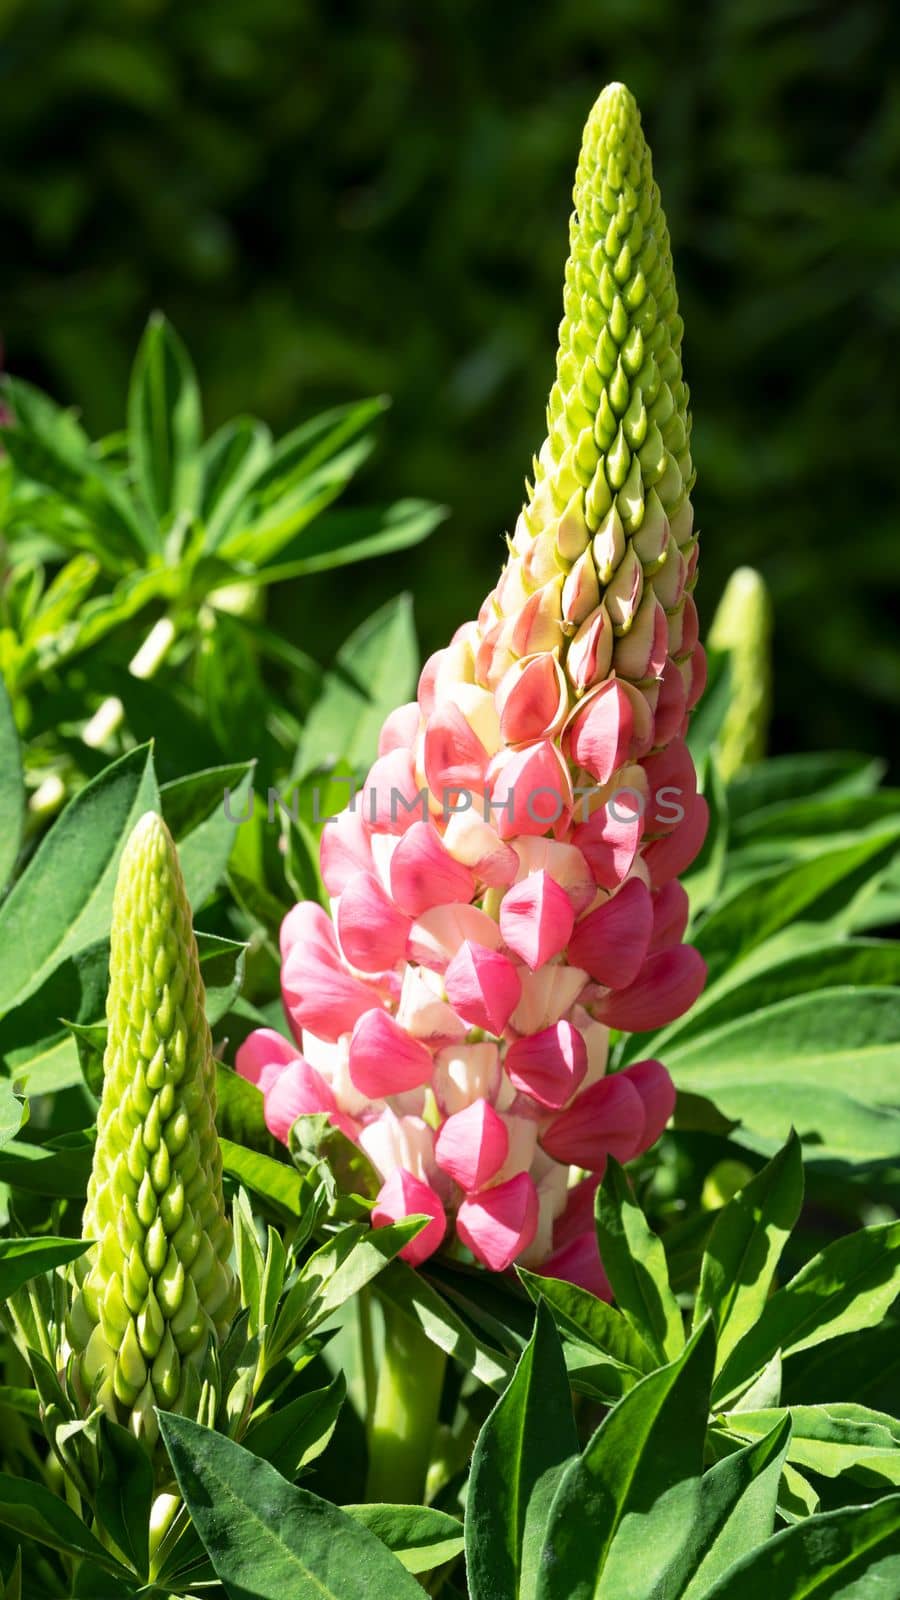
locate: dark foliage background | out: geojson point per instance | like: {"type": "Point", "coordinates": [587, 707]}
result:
{"type": "Point", "coordinates": [330, 200]}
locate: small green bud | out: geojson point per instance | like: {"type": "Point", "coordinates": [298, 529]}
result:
{"type": "Point", "coordinates": [742, 626]}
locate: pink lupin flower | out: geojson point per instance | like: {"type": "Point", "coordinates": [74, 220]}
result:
{"type": "Point", "coordinates": [504, 887]}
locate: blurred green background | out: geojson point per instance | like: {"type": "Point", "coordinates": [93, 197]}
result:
{"type": "Point", "coordinates": [336, 199]}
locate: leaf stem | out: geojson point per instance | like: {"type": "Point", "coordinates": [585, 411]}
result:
{"type": "Point", "coordinates": [402, 1424]}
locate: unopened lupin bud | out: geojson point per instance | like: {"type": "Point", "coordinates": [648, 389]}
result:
{"type": "Point", "coordinates": [742, 626]}
{"type": "Point", "coordinates": [156, 1286]}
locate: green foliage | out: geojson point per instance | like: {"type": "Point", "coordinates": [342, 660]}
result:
{"type": "Point", "coordinates": [157, 532]}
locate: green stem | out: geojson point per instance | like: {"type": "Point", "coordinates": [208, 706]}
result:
{"type": "Point", "coordinates": [402, 1424]}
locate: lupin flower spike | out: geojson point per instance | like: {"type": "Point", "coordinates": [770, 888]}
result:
{"type": "Point", "coordinates": [156, 1287]}
{"type": "Point", "coordinates": [504, 889]}
{"type": "Point", "coordinates": [742, 626]}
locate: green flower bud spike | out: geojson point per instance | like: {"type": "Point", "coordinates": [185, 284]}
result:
{"type": "Point", "coordinates": [742, 626]}
{"type": "Point", "coordinates": [156, 1288]}
{"type": "Point", "coordinates": [605, 546]}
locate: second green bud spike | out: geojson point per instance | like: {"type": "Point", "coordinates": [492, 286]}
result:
{"type": "Point", "coordinates": [156, 1288]}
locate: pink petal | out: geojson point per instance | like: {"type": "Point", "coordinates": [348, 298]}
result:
{"type": "Point", "coordinates": [606, 1119]}
{"type": "Point", "coordinates": [532, 700]}
{"type": "Point", "coordinates": [301, 1091]}
{"type": "Point", "coordinates": [642, 652]}
{"type": "Point", "coordinates": [671, 705]}
{"type": "Point", "coordinates": [611, 942]}
{"type": "Point", "coordinates": [671, 909]}
{"type": "Point", "coordinates": [531, 790]}
{"type": "Point", "coordinates": [424, 1013]}
{"type": "Point", "coordinates": [699, 672]}
{"type": "Point", "coordinates": [668, 857]}
{"type": "Point", "coordinates": [308, 927]}
{"type": "Point", "coordinates": [427, 678]}
{"type": "Point", "coordinates": [320, 994]}
{"type": "Point", "coordinates": [667, 986]}
{"type": "Point", "coordinates": [536, 919]}
{"type": "Point", "coordinates": [454, 757]}
{"type": "Point", "coordinates": [673, 786]}
{"type": "Point", "coordinates": [657, 1091]}
{"type": "Point", "coordinates": [424, 874]}
{"type": "Point", "coordinates": [579, 1263]}
{"type": "Point", "coordinates": [578, 1215]}
{"type": "Point", "coordinates": [612, 726]}
{"type": "Point", "coordinates": [373, 933]}
{"type": "Point", "coordinates": [392, 800]}
{"type": "Point", "coordinates": [261, 1049]}
{"type": "Point", "coordinates": [483, 987]}
{"type": "Point", "coordinates": [477, 845]}
{"type": "Point", "coordinates": [538, 626]}
{"type": "Point", "coordinates": [610, 838]}
{"type": "Point", "coordinates": [472, 1145]}
{"type": "Point", "coordinates": [384, 1060]}
{"type": "Point", "coordinates": [498, 1224]}
{"type": "Point", "coordinates": [405, 1196]}
{"type": "Point", "coordinates": [561, 862]}
{"type": "Point", "coordinates": [590, 654]}
{"type": "Point", "coordinates": [436, 936]}
{"type": "Point", "coordinates": [400, 729]}
{"type": "Point", "coordinates": [548, 1065]}
{"type": "Point", "coordinates": [344, 850]}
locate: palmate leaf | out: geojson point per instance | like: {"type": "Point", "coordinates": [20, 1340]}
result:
{"type": "Point", "coordinates": [267, 1539]}
{"type": "Point", "coordinates": [604, 1353]}
{"type": "Point", "coordinates": [519, 1459]}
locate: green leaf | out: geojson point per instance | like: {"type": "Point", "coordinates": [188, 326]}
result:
{"type": "Point", "coordinates": [848, 1285]}
{"type": "Point", "coordinates": [852, 1554]}
{"type": "Point", "coordinates": [222, 971]}
{"type": "Point", "coordinates": [12, 791]}
{"type": "Point", "coordinates": [341, 537]}
{"type": "Point", "coordinates": [200, 810]}
{"type": "Point", "coordinates": [63, 901]}
{"type": "Point", "coordinates": [21, 1259]}
{"type": "Point", "coordinates": [164, 423]}
{"type": "Point", "coordinates": [13, 1110]}
{"type": "Point", "coordinates": [12, 1588]}
{"type": "Point", "coordinates": [745, 1246]}
{"type": "Point", "coordinates": [825, 1063]}
{"type": "Point", "coordinates": [51, 1169]}
{"type": "Point", "coordinates": [608, 1352]}
{"type": "Point", "coordinates": [777, 973]}
{"type": "Point", "coordinates": [292, 1435]}
{"type": "Point", "coordinates": [736, 1512]}
{"type": "Point", "coordinates": [374, 671]}
{"type": "Point", "coordinates": [30, 1509]}
{"type": "Point", "coordinates": [704, 879]}
{"type": "Point", "coordinates": [125, 1492]}
{"type": "Point", "coordinates": [519, 1457]}
{"type": "Point", "coordinates": [783, 780]}
{"type": "Point", "coordinates": [275, 1181]}
{"type": "Point", "coordinates": [624, 1508]}
{"type": "Point", "coordinates": [833, 1439]}
{"type": "Point", "coordinates": [758, 910]}
{"type": "Point", "coordinates": [635, 1263]}
{"type": "Point", "coordinates": [864, 1367]}
{"type": "Point", "coordinates": [266, 1539]}
{"type": "Point", "coordinates": [231, 461]}
{"type": "Point", "coordinates": [419, 1536]}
